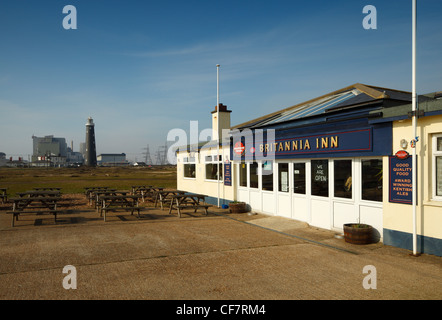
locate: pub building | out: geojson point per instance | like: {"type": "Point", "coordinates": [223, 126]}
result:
{"type": "Point", "coordinates": [330, 161]}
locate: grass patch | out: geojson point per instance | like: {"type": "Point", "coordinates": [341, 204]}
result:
{"type": "Point", "coordinates": [74, 180]}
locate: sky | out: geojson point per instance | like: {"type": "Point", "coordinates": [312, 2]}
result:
{"type": "Point", "coordinates": [143, 68]}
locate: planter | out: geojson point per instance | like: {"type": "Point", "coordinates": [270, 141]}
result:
{"type": "Point", "coordinates": [358, 233]}
{"type": "Point", "coordinates": [237, 207]}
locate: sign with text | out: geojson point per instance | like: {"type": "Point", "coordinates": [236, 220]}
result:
{"type": "Point", "coordinates": [227, 174]}
{"type": "Point", "coordinates": [400, 182]}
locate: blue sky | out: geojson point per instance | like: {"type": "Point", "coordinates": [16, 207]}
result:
{"type": "Point", "coordinates": [142, 68]}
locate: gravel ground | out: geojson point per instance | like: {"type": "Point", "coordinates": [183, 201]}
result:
{"type": "Point", "coordinates": [196, 257]}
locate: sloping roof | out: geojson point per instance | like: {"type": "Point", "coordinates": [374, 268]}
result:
{"type": "Point", "coordinates": [354, 95]}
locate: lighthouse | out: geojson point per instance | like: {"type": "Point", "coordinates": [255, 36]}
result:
{"type": "Point", "coordinates": [91, 153]}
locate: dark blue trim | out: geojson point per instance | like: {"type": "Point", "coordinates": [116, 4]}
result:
{"type": "Point", "coordinates": [214, 201]}
{"type": "Point", "coordinates": [404, 240]}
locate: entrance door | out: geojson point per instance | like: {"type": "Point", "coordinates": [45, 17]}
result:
{"type": "Point", "coordinates": [284, 203]}
{"type": "Point", "coordinates": [300, 191]}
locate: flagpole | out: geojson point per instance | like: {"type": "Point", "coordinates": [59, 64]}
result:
{"type": "Point", "coordinates": [414, 123]}
{"type": "Point", "coordinates": [217, 126]}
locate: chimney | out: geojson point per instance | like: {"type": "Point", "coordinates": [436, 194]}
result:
{"type": "Point", "coordinates": [224, 121]}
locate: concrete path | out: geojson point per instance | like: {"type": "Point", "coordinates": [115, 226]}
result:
{"type": "Point", "coordinates": [198, 257]}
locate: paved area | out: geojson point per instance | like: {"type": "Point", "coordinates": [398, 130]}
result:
{"type": "Point", "coordinates": [198, 257]}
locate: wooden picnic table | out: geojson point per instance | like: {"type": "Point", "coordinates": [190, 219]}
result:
{"type": "Point", "coordinates": [48, 203]}
{"type": "Point", "coordinates": [88, 190]}
{"type": "Point", "coordinates": [38, 193]}
{"type": "Point", "coordinates": [95, 195]}
{"type": "Point", "coordinates": [4, 195]}
{"type": "Point", "coordinates": [188, 201]}
{"type": "Point", "coordinates": [48, 188]}
{"type": "Point", "coordinates": [149, 192]}
{"type": "Point", "coordinates": [113, 202]}
{"type": "Point", "coordinates": [164, 196]}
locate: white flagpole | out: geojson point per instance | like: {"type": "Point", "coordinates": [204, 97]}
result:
{"type": "Point", "coordinates": [414, 123]}
{"type": "Point", "coordinates": [217, 121]}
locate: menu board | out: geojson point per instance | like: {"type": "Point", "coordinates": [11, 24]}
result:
{"type": "Point", "coordinates": [227, 174]}
{"type": "Point", "coordinates": [400, 183]}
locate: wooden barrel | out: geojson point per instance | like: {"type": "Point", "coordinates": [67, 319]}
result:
{"type": "Point", "coordinates": [358, 233]}
{"type": "Point", "coordinates": [237, 207]}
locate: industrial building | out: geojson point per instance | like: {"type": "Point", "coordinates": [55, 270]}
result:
{"type": "Point", "coordinates": [112, 159]}
{"type": "Point", "coordinates": [329, 161]}
{"type": "Point", "coordinates": [49, 149]}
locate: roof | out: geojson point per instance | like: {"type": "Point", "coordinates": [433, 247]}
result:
{"type": "Point", "coordinates": [356, 95]}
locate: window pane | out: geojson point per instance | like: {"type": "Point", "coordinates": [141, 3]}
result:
{"type": "Point", "coordinates": [439, 144]}
{"type": "Point", "coordinates": [283, 177]}
{"type": "Point", "coordinates": [243, 174]}
{"type": "Point", "coordinates": [342, 179]}
{"type": "Point", "coordinates": [267, 175]}
{"type": "Point", "coordinates": [299, 178]}
{"type": "Point", "coordinates": [372, 179]}
{"type": "Point", "coordinates": [189, 170]}
{"type": "Point", "coordinates": [254, 175]}
{"type": "Point", "coordinates": [211, 171]}
{"type": "Point", "coordinates": [439, 176]}
{"type": "Point", "coordinates": [320, 178]}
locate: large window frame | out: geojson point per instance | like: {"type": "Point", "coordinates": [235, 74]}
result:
{"type": "Point", "coordinates": [243, 171]}
{"type": "Point", "coordinates": [211, 166]}
{"type": "Point", "coordinates": [267, 174]}
{"type": "Point", "coordinates": [436, 171]}
{"type": "Point", "coordinates": [189, 168]}
{"type": "Point", "coordinates": [375, 181]}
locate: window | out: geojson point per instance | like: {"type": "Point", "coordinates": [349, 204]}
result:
{"type": "Point", "coordinates": [299, 178]}
{"type": "Point", "coordinates": [319, 178]}
{"type": "Point", "coordinates": [243, 174]}
{"type": "Point", "coordinates": [267, 175]}
{"type": "Point", "coordinates": [437, 167]}
{"type": "Point", "coordinates": [342, 179]}
{"type": "Point", "coordinates": [189, 167]}
{"type": "Point", "coordinates": [253, 174]}
{"type": "Point", "coordinates": [372, 179]}
{"type": "Point", "coordinates": [283, 177]}
{"type": "Point", "coordinates": [212, 168]}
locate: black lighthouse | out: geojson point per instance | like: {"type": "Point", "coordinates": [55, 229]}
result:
{"type": "Point", "coordinates": [91, 153]}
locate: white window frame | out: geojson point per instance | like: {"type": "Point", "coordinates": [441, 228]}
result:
{"type": "Point", "coordinates": [187, 161]}
{"type": "Point", "coordinates": [211, 161]}
{"type": "Point", "coordinates": [435, 153]}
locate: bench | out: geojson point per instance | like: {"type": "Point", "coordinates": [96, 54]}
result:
{"type": "Point", "coordinates": [15, 214]}
{"type": "Point", "coordinates": [132, 209]}
{"type": "Point", "coordinates": [196, 207]}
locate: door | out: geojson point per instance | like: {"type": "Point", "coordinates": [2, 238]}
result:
{"type": "Point", "coordinates": [284, 203]}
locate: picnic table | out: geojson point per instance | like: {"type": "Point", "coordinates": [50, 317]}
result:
{"type": "Point", "coordinates": [38, 193]}
{"type": "Point", "coordinates": [34, 201]}
{"type": "Point", "coordinates": [164, 196]}
{"type": "Point", "coordinates": [113, 202]}
{"type": "Point", "coordinates": [89, 190]}
{"type": "Point", "coordinates": [149, 192]}
{"type": "Point", "coordinates": [4, 195]}
{"type": "Point", "coordinates": [188, 201]}
{"type": "Point", "coordinates": [48, 188]}
{"type": "Point", "coordinates": [93, 195]}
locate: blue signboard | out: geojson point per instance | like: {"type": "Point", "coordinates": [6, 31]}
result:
{"type": "Point", "coordinates": [400, 180]}
{"type": "Point", "coordinates": [227, 174]}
